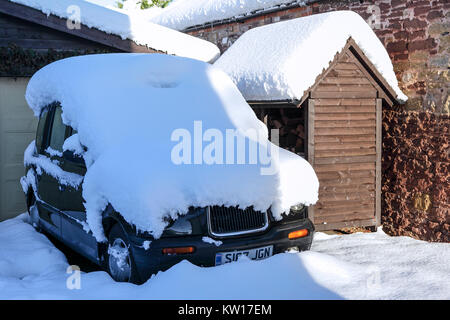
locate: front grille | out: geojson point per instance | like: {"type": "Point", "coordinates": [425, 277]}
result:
{"type": "Point", "coordinates": [230, 221]}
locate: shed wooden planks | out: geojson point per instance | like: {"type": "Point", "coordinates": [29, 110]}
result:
{"type": "Point", "coordinates": [345, 116]}
{"type": "Point", "coordinates": [365, 209]}
{"type": "Point", "coordinates": [330, 197]}
{"type": "Point", "coordinates": [350, 216]}
{"type": "Point", "coordinates": [346, 88]}
{"type": "Point", "coordinates": [335, 175]}
{"type": "Point", "coordinates": [343, 109]}
{"type": "Point", "coordinates": [346, 73]}
{"type": "Point", "coordinates": [346, 139]}
{"type": "Point", "coordinates": [356, 188]}
{"type": "Point", "coordinates": [344, 167]}
{"type": "Point", "coordinates": [344, 145]}
{"type": "Point", "coordinates": [345, 150]}
{"type": "Point", "coordinates": [344, 131]}
{"type": "Point", "coordinates": [345, 80]}
{"type": "Point", "coordinates": [344, 94]}
{"type": "Point", "coordinates": [336, 101]}
{"type": "Point", "coordinates": [355, 181]}
{"type": "Point", "coordinates": [341, 123]}
{"type": "Point", "coordinates": [339, 160]}
{"type": "Point", "coordinates": [343, 205]}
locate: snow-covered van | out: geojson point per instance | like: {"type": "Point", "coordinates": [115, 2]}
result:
{"type": "Point", "coordinates": [143, 160]}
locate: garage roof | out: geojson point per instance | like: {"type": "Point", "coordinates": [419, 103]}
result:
{"type": "Point", "coordinates": [119, 30]}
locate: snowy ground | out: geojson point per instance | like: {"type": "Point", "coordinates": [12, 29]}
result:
{"type": "Point", "coordinates": [357, 266]}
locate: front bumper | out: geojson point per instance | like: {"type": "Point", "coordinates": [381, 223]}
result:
{"type": "Point", "coordinates": [152, 260]}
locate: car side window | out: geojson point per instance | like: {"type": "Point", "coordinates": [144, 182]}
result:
{"type": "Point", "coordinates": [58, 131]}
{"type": "Point", "coordinates": [40, 132]}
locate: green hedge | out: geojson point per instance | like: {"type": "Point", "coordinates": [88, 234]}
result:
{"type": "Point", "coordinates": [18, 62]}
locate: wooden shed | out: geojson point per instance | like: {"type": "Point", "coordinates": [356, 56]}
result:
{"type": "Point", "coordinates": [31, 39]}
{"type": "Point", "coordinates": [336, 126]}
{"type": "Point", "coordinates": [326, 106]}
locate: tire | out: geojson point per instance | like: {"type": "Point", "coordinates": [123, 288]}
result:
{"type": "Point", "coordinates": [119, 258]}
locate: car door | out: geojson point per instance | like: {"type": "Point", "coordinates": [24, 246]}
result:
{"type": "Point", "coordinates": [73, 225]}
{"type": "Point", "coordinates": [50, 153]}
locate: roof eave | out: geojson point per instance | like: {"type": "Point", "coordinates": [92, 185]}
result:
{"type": "Point", "coordinates": [254, 14]}
{"type": "Point", "coordinates": [54, 22]}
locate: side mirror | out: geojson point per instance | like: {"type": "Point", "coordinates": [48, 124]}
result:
{"type": "Point", "coordinates": [70, 156]}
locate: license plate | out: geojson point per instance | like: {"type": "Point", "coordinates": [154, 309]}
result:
{"type": "Point", "coordinates": [254, 254]}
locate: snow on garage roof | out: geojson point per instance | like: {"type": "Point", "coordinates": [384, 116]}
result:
{"type": "Point", "coordinates": [182, 14]}
{"type": "Point", "coordinates": [127, 26]}
{"type": "Point", "coordinates": [281, 61]}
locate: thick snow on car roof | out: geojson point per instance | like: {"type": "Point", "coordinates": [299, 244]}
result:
{"type": "Point", "coordinates": [130, 111]}
{"type": "Point", "coordinates": [128, 26]}
{"type": "Point", "coordinates": [281, 61]}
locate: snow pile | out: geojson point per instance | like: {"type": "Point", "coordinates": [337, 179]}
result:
{"type": "Point", "coordinates": [358, 266]}
{"type": "Point", "coordinates": [128, 108]}
{"type": "Point", "coordinates": [182, 14]}
{"type": "Point", "coordinates": [384, 267]}
{"type": "Point", "coordinates": [133, 27]}
{"type": "Point", "coordinates": [282, 60]}
{"type": "Point", "coordinates": [24, 253]}
{"type": "Point", "coordinates": [72, 143]}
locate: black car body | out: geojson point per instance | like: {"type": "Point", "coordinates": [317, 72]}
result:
{"type": "Point", "coordinates": [205, 236]}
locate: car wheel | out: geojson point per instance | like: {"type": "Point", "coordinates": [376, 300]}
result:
{"type": "Point", "coordinates": [120, 262]}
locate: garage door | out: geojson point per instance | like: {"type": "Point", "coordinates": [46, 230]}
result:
{"type": "Point", "coordinates": [17, 129]}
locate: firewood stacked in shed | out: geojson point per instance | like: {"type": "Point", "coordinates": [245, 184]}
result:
{"type": "Point", "coordinates": [290, 123]}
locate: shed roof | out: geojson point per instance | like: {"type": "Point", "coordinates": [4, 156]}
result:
{"type": "Point", "coordinates": [281, 61]}
{"type": "Point", "coordinates": [130, 33]}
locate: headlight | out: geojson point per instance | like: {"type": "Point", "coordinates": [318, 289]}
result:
{"type": "Point", "coordinates": [297, 212]}
{"type": "Point", "coordinates": [182, 226]}
{"type": "Point", "coordinates": [297, 208]}
{"type": "Point", "coordinates": [193, 223]}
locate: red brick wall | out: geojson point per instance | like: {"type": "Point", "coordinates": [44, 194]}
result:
{"type": "Point", "coordinates": [416, 179]}
{"type": "Point", "coordinates": [416, 160]}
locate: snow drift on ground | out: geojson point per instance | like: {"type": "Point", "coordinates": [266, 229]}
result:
{"type": "Point", "coordinates": [357, 266]}
{"type": "Point", "coordinates": [126, 108]}
{"type": "Point", "coordinates": [282, 60]}
{"type": "Point", "coordinates": [24, 253]}
{"type": "Point", "coordinates": [133, 27]}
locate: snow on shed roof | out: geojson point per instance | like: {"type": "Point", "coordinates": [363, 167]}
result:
{"type": "Point", "coordinates": [127, 26]}
{"type": "Point", "coordinates": [281, 61]}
